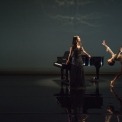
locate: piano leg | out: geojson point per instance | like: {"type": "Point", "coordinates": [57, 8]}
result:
{"type": "Point", "coordinates": [62, 73]}
{"type": "Point", "coordinates": [97, 71]}
{"type": "Point", "coordinates": [97, 77]}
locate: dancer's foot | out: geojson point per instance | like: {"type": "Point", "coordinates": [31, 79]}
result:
{"type": "Point", "coordinates": [112, 83]}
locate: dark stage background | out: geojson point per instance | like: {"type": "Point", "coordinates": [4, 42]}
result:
{"type": "Point", "coordinates": [34, 32]}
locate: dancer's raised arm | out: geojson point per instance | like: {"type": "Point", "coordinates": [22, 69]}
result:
{"type": "Point", "coordinates": [107, 48]}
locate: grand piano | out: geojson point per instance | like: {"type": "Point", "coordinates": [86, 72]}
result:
{"type": "Point", "coordinates": [96, 61]}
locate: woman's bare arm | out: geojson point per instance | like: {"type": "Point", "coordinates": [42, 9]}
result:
{"type": "Point", "coordinates": [85, 52]}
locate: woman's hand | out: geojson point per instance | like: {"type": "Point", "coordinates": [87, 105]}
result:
{"type": "Point", "coordinates": [67, 62]}
{"type": "Point", "coordinates": [89, 56]}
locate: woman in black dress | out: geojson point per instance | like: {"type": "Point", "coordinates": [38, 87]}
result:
{"type": "Point", "coordinates": [75, 60]}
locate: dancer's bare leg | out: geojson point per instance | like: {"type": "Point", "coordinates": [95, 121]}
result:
{"type": "Point", "coordinates": [112, 83]}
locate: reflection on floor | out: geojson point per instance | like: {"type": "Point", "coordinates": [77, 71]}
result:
{"type": "Point", "coordinates": [39, 98]}
{"type": "Point", "coordinates": [76, 103]}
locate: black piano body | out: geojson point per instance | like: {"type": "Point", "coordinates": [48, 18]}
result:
{"type": "Point", "coordinates": [96, 61]}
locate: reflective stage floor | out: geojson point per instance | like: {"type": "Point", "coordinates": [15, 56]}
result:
{"type": "Point", "coordinates": [37, 98]}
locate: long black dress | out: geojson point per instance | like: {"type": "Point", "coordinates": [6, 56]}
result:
{"type": "Point", "coordinates": [77, 79]}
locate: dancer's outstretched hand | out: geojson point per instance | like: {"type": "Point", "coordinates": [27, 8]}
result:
{"type": "Point", "coordinates": [104, 42]}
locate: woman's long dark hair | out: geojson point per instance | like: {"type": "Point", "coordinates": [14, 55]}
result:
{"type": "Point", "coordinates": [74, 41]}
{"type": "Point", "coordinates": [111, 63]}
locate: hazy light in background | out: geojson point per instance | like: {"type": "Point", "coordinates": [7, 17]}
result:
{"type": "Point", "coordinates": [34, 33]}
